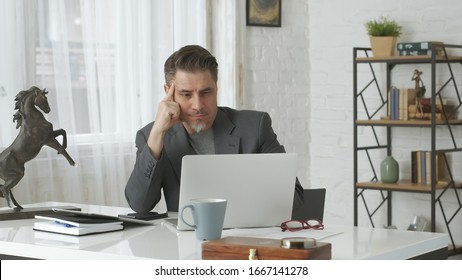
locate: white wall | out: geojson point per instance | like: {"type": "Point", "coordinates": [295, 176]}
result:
{"type": "Point", "coordinates": [302, 74]}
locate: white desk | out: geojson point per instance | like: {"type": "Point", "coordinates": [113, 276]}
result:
{"type": "Point", "coordinates": [162, 241]}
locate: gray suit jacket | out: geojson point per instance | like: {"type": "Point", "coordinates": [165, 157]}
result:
{"type": "Point", "coordinates": [235, 132]}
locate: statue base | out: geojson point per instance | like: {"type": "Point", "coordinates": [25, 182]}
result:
{"type": "Point", "coordinates": [29, 213]}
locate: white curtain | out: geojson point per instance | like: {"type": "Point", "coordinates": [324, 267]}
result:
{"type": "Point", "coordinates": [17, 51]}
{"type": "Point", "coordinates": [102, 64]}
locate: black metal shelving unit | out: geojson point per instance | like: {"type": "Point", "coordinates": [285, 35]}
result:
{"type": "Point", "coordinates": [374, 122]}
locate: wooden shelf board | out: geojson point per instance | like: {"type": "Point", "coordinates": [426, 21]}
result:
{"type": "Point", "coordinates": [406, 122]}
{"type": "Point", "coordinates": [403, 185]}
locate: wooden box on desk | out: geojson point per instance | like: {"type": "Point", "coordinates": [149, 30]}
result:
{"type": "Point", "coordinates": [238, 248]}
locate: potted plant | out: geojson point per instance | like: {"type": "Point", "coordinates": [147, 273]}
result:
{"type": "Point", "coordinates": [383, 34]}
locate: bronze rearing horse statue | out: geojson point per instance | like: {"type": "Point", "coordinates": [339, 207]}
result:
{"type": "Point", "coordinates": [35, 132]}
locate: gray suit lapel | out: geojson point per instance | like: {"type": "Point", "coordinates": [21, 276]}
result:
{"type": "Point", "coordinates": [225, 142]}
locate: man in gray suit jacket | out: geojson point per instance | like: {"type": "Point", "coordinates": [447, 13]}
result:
{"type": "Point", "coordinates": [188, 121]}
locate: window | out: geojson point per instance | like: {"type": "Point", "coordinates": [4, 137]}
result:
{"type": "Point", "coordinates": [102, 63]}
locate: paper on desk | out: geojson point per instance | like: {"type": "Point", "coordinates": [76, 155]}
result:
{"type": "Point", "coordinates": [276, 233]}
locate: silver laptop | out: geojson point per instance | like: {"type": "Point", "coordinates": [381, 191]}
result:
{"type": "Point", "coordinates": [259, 187]}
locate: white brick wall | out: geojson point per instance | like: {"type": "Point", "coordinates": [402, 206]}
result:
{"type": "Point", "coordinates": [277, 80]}
{"type": "Point", "coordinates": [301, 74]}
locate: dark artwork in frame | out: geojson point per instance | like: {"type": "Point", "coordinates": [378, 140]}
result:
{"type": "Point", "coordinates": [263, 13]}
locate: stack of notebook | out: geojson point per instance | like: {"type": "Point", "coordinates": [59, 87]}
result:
{"type": "Point", "coordinates": [72, 224]}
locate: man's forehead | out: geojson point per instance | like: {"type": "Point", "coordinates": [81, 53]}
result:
{"type": "Point", "coordinates": [193, 80]}
{"type": "Point", "coordinates": [182, 72]}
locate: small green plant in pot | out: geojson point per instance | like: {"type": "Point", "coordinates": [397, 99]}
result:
{"type": "Point", "coordinates": [383, 34]}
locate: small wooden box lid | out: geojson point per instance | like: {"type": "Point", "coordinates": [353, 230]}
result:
{"type": "Point", "coordinates": [238, 248]}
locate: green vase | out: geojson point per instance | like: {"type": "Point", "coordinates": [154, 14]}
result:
{"type": "Point", "coordinates": [389, 170]}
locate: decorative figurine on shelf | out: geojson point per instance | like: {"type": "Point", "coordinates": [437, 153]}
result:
{"type": "Point", "coordinates": [35, 132]}
{"type": "Point", "coordinates": [419, 92]}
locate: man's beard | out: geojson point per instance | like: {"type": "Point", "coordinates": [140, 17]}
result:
{"type": "Point", "coordinates": [198, 125]}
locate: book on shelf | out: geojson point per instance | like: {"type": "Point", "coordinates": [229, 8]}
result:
{"type": "Point", "coordinates": [428, 171]}
{"type": "Point", "coordinates": [418, 46]}
{"type": "Point", "coordinates": [439, 52]}
{"type": "Point", "coordinates": [426, 106]}
{"type": "Point", "coordinates": [73, 224]}
{"type": "Point", "coordinates": [421, 167]}
{"type": "Point", "coordinates": [414, 170]}
{"type": "Point", "coordinates": [394, 104]}
{"type": "Point", "coordinates": [398, 102]}
{"type": "Point", "coordinates": [391, 103]}
{"type": "Point", "coordinates": [439, 103]}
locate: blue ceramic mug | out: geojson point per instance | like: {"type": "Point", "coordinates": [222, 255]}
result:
{"type": "Point", "coordinates": [208, 217]}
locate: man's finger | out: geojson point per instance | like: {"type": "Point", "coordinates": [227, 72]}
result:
{"type": "Point", "coordinates": [170, 93]}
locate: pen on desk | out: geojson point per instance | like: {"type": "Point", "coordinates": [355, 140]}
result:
{"type": "Point", "coordinates": [64, 224]}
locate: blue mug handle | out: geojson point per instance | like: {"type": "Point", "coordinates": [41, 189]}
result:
{"type": "Point", "coordinates": [181, 215]}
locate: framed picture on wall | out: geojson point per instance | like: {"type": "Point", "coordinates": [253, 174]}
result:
{"type": "Point", "coordinates": [263, 13]}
